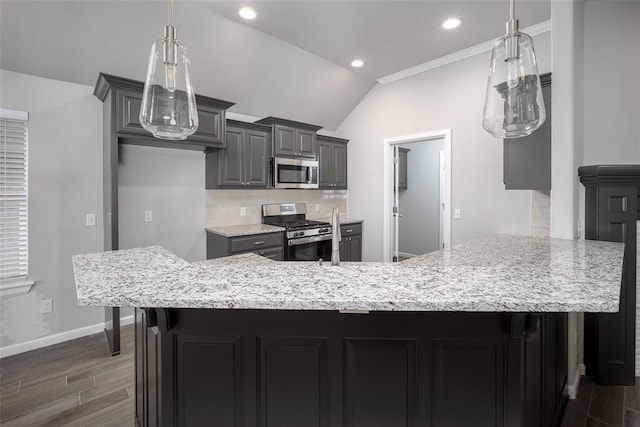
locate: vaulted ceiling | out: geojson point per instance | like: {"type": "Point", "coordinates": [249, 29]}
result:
{"type": "Point", "coordinates": [291, 61]}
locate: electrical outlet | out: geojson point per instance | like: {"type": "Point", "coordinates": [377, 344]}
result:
{"type": "Point", "coordinates": [243, 211]}
{"type": "Point", "coordinates": [46, 306]}
{"type": "Point", "coordinates": [148, 216]}
{"type": "Point", "coordinates": [457, 214]}
{"type": "Point", "coordinates": [317, 207]}
{"type": "Point", "coordinates": [91, 220]}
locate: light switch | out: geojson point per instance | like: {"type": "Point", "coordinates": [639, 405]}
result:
{"type": "Point", "coordinates": [91, 220]}
{"type": "Point", "coordinates": [457, 214]}
{"type": "Point", "coordinates": [148, 216]}
{"type": "Point", "coordinates": [243, 211]}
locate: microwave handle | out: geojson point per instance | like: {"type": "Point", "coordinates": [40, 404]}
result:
{"type": "Point", "coordinates": [309, 174]}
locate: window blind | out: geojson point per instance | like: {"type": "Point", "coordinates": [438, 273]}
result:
{"type": "Point", "coordinates": [13, 196]}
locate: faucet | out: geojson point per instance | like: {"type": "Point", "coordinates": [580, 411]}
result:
{"type": "Point", "coordinates": [335, 237]}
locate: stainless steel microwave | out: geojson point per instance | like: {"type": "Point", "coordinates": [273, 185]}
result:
{"type": "Point", "coordinates": [295, 173]}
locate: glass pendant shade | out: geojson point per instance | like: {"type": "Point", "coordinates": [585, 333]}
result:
{"type": "Point", "coordinates": [513, 106]}
{"type": "Point", "coordinates": [168, 103]}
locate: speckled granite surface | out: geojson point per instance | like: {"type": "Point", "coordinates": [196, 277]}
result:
{"type": "Point", "coordinates": [243, 230]}
{"type": "Point", "coordinates": [498, 273]}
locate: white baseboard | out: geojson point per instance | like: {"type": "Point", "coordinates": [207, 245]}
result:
{"type": "Point", "coordinates": [574, 382]}
{"type": "Point", "coordinates": [406, 255]}
{"type": "Point", "coordinates": [583, 369]}
{"type": "Point", "coordinates": [48, 340]}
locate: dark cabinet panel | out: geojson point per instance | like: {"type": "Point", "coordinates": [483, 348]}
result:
{"type": "Point", "coordinates": [459, 368]}
{"type": "Point", "coordinates": [269, 245]}
{"type": "Point", "coordinates": [380, 383]}
{"type": "Point", "coordinates": [403, 154]}
{"type": "Point", "coordinates": [128, 102]}
{"type": "Point", "coordinates": [306, 143]}
{"type": "Point", "coordinates": [332, 158]}
{"type": "Point", "coordinates": [210, 368]}
{"type": "Point", "coordinates": [294, 383]}
{"type": "Point", "coordinates": [291, 138]}
{"type": "Point", "coordinates": [245, 161]}
{"type": "Point", "coordinates": [351, 243]}
{"type": "Point", "coordinates": [527, 160]}
{"type": "Point", "coordinates": [325, 369]}
{"type": "Point", "coordinates": [284, 141]}
{"type": "Point", "coordinates": [611, 213]}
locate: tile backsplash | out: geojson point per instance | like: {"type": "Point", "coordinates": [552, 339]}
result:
{"type": "Point", "coordinates": [541, 214]}
{"type": "Point", "coordinates": [224, 207]}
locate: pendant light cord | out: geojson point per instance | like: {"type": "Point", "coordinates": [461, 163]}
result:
{"type": "Point", "coordinates": [512, 9]}
{"type": "Point", "coordinates": [171, 13]}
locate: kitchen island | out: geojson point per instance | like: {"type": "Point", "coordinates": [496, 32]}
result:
{"type": "Point", "coordinates": [474, 335]}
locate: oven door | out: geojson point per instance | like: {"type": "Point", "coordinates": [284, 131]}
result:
{"type": "Point", "coordinates": [309, 248]}
{"type": "Point", "coordinates": [295, 173]}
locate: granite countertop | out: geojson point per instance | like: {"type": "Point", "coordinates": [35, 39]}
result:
{"type": "Point", "coordinates": [244, 230]}
{"type": "Point", "coordinates": [500, 273]}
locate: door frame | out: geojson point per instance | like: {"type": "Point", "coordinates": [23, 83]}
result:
{"type": "Point", "coordinates": [388, 144]}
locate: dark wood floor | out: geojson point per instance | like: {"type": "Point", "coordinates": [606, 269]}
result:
{"type": "Point", "coordinates": [604, 406]}
{"type": "Point", "coordinates": [75, 383]}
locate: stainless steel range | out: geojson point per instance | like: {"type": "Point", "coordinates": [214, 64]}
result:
{"type": "Point", "coordinates": [307, 240]}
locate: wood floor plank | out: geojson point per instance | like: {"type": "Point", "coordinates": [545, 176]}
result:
{"type": "Point", "coordinates": [88, 409]}
{"type": "Point", "coordinates": [607, 404]}
{"type": "Point", "coordinates": [594, 422]}
{"type": "Point", "coordinates": [121, 414]}
{"type": "Point", "coordinates": [44, 387]}
{"type": "Point", "coordinates": [631, 418]}
{"type": "Point", "coordinates": [39, 414]}
{"type": "Point", "coordinates": [632, 396]}
{"type": "Point", "coordinates": [6, 389]}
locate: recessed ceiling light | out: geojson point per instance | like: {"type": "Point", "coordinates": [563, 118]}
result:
{"type": "Point", "coordinates": [357, 63]}
{"type": "Point", "coordinates": [247, 13]}
{"type": "Point", "coordinates": [451, 23]}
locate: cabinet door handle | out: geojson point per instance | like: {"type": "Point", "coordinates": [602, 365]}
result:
{"type": "Point", "coordinates": [259, 243]}
{"type": "Point", "coordinates": [349, 230]}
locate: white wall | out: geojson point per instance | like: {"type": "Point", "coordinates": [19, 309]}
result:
{"type": "Point", "coordinates": [611, 82]}
{"type": "Point", "coordinates": [419, 228]}
{"type": "Point", "coordinates": [170, 184]}
{"type": "Point", "coordinates": [448, 97]}
{"type": "Point", "coordinates": [65, 183]}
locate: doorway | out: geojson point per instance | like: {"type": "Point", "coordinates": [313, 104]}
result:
{"type": "Point", "coordinates": [417, 194]}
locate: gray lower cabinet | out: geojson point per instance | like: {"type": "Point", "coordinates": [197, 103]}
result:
{"type": "Point", "coordinates": [527, 160]}
{"type": "Point", "coordinates": [292, 139]}
{"type": "Point", "coordinates": [351, 243]}
{"type": "Point", "coordinates": [269, 245]}
{"type": "Point", "coordinates": [332, 158]}
{"type": "Point", "coordinates": [245, 161]}
{"type": "Point", "coordinates": [402, 168]}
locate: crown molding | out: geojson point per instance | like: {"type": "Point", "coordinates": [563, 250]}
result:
{"type": "Point", "coordinates": [533, 30]}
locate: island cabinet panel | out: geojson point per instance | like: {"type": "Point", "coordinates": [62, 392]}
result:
{"type": "Point", "coordinates": [294, 382]}
{"type": "Point", "coordinates": [456, 366]}
{"type": "Point", "coordinates": [256, 368]}
{"type": "Point", "coordinates": [209, 369]}
{"type": "Point", "coordinates": [380, 382]}
{"type": "Point", "coordinates": [611, 213]}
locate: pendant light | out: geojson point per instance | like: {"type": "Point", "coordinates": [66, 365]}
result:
{"type": "Point", "coordinates": [513, 105]}
{"type": "Point", "coordinates": [168, 103]}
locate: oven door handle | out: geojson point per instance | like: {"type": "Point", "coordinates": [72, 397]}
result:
{"type": "Point", "coordinates": [310, 239]}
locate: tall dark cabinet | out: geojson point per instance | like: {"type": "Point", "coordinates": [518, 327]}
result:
{"type": "Point", "coordinates": [122, 99]}
{"type": "Point", "coordinates": [612, 195]}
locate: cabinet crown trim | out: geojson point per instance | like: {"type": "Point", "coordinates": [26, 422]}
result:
{"type": "Point", "coordinates": [248, 125]}
{"type": "Point", "coordinates": [332, 139]}
{"type": "Point", "coordinates": [620, 174]}
{"type": "Point", "coordinates": [285, 122]}
{"type": "Point", "coordinates": [106, 81]}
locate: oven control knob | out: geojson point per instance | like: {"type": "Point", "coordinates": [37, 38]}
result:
{"type": "Point", "coordinates": [324, 230]}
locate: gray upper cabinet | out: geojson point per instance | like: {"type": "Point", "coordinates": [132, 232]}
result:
{"type": "Point", "coordinates": [292, 139]}
{"type": "Point", "coordinates": [245, 161]}
{"type": "Point", "coordinates": [402, 168]}
{"type": "Point", "coordinates": [527, 160]}
{"type": "Point", "coordinates": [332, 159]}
{"type": "Point", "coordinates": [127, 96]}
